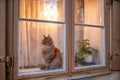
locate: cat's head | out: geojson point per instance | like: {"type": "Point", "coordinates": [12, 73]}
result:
{"type": "Point", "coordinates": [47, 40]}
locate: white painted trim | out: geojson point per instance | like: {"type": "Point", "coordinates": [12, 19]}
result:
{"type": "Point", "coordinates": [91, 66]}
{"type": "Point", "coordinates": [39, 72]}
{"type": "Point", "coordinates": [37, 20]}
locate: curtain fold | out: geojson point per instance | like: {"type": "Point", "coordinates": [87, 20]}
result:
{"type": "Point", "coordinates": [31, 33]}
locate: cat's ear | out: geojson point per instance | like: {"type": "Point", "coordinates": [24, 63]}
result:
{"type": "Point", "coordinates": [44, 36]}
{"type": "Point", "coordinates": [49, 36]}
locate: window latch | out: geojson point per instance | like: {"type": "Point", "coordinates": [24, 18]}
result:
{"type": "Point", "coordinates": [9, 60]}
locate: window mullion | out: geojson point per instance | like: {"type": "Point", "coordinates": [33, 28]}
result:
{"type": "Point", "coordinates": [69, 37]}
{"type": "Point", "coordinates": [89, 25]}
{"type": "Point", "coordinates": [45, 21]}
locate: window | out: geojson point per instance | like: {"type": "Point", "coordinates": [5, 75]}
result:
{"type": "Point", "coordinates": [55, 37]}
{"type": "Point", "coordinates": [89, 34]}
{"type": "Point", "coordinates": [42, 30]}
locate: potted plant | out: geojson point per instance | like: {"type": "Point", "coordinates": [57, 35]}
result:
{"type": "Point", "coordinates": [85, 52]}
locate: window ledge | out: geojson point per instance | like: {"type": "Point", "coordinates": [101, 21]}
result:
{"type": "Point", "coordinates": [73, 76]}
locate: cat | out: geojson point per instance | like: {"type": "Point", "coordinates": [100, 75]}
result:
{"type": "Point", "coordinates": [51, 55]}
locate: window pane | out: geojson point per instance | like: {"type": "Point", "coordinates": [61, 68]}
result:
{"type": "Point", "coordinates": [42, 9]}
{"type": "Point", "coordinates": [88, 46]}
{"type": "Point", "coordinates": [88, 12]}
{"type": "Point", "coordinates": [41, 47]}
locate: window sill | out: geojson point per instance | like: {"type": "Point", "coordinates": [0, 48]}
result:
{"type": "Point", "coordinates": [64, 76]}
{"type": "Point", "coordinates": [83, 75]}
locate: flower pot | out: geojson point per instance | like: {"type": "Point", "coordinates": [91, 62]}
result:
{"type": "Point", "coordinates": [89, 58]}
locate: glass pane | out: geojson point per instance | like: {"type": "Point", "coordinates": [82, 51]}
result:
{"type": "Point", "coordinates": [41, 47]}
{"type": "Point", "coordinates": [42, 9]}
{"type": "Point", "coordinates": [88, 12]}
{"type": "Point", "coordinates": [88, 46]}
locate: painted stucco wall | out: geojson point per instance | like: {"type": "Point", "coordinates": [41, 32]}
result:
{"type": "Point", "coordinates": [113, 76]}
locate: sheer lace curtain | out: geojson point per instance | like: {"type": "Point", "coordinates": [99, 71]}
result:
{"type": "Point", "coordinates": [31, 33]}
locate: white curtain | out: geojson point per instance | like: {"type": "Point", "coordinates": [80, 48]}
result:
{"type": "Point", "coordinates": [31, 33]}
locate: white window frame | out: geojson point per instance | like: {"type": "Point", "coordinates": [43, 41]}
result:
{"type": "Point", "coordinates": [69, 41]}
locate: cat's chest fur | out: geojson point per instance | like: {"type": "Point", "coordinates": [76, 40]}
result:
{"type": "Point", "coordinates": [48, 49]}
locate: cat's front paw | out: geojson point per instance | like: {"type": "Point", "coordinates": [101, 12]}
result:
{"type": "Point", "coordinates": [42, 67]}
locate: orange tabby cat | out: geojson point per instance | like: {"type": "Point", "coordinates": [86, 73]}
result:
{"type": "Point", "coordinates": [51, 55]}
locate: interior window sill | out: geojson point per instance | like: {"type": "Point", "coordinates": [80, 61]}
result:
{"type": "Point", "coordinates": [71, 76]}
